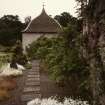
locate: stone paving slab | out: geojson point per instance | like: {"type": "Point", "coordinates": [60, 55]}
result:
{"type": "Point", "coordinates": [33, 73]}
{"type": "Point", "coordinates": [32, 76]}
{"type": "Point", "coordinates": [32, 83]}
{"type": "Point", "coordinates": [36, 73]}
{"type": "Point", "coordinates": [29, 97]}
{"type": "Point", "coordinates": [33, 79]}
{"type": "Point", "coordinates": [32, 89]}
{"type": "Point", "coordinates": [36, 66]}
{"type": "Point", "coordinates": [35, 70]}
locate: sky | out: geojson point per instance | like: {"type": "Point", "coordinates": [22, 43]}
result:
{"type": "Point", "coordinates": [33, 8]}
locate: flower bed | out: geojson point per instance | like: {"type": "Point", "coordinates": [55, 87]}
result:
{"type": "Point", "coordinates": [53, 101]}
{"type": "Point", "coordinates": [7, 71]}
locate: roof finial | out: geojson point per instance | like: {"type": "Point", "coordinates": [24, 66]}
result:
{"type": "Point", "coordinates": [43, 4]}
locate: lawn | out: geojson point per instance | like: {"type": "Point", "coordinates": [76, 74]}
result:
{"type": "Point", "coordinates": [4, 58]}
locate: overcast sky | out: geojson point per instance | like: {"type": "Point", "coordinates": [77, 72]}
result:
{"type": "Point", "coordinates": [32, 8]}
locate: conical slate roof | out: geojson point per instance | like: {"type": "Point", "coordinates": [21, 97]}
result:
{"type": "Point", "coordinates": [43, 24]}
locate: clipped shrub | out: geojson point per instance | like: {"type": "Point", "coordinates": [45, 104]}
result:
{"type": "Point", "coordinates": [18, 56]}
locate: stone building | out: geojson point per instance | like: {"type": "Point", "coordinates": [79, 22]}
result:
{"type": "Point", "coordinates": [43, 25]}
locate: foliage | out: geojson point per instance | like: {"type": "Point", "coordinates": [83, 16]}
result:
{"type": "Point", "coordinates": [28, 66]}
{"type": "Point", "coordinates": [65, 19]}
{"type": "Point", "coordinates": [10, 30]}
{"type": "Point", "coordinates": [18, 56]}
{"type": "Point", "coordinates": [62, 57]}
{"type": "Point", "coordinates": [4, 58]}
{"type": "Point", "coordinates": [5, 49]}
{"type": "Point", "coordinates": [27, 20]}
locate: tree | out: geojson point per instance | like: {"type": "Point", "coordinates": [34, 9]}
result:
{"type": "Point", "coordinates": [65, 18]}
{"type": "Point", "coordinates": [27, 20]}
{"type": "Point", "coordinates": [18, 56]}
{"type": "Point", "coordinates": [10, 30]}
{"type": "Point", "coordinates": [93, 18]}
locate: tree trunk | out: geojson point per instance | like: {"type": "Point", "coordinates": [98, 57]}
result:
{"type": "Point", "coordinates": [92, 33]}
{"type": "Point", "coordinates": [93, 14]}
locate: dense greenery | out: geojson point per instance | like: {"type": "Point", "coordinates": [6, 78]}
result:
{"type": "Point", "coordinates": [4, 58]}
{"type": "Point", "coordinates": [61, 57]}
{"type": "Point", "coordinates": [18, 56]}
{"type": "Point", "coordinates": [66, 19]}
{"type": "Point", "coordinates": [10, 30]}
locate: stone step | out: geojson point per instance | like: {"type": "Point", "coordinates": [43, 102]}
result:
{"type": "Point", "coordinates": [33, 76]}
{"type": "Point", "coordinates": [29, 97]}
{"type": "Point", "coordinates": [32, 89]}
{"type": "Point", "coordinates": [33, 70]}
{"type": "Point", "coordinates": [33, 79]}
{"type": "Point", "coordinates": [34, 73]}
{"type": "Point", "coordinates": [32, 83]}
{"type": "Point", "coordinates": [35, 65]}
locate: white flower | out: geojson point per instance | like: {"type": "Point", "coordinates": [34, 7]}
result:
{"type": "Point", "coordinates": [20, 67]}
{"type": "Point", "coordinates": [53, 101]}
{"type": "Point", "coordinates": [7, 71]}
{"type": "Point", "coordinates": [34, 102]}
